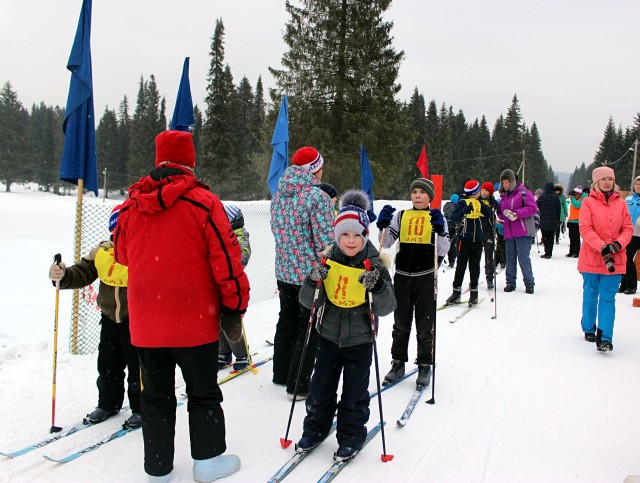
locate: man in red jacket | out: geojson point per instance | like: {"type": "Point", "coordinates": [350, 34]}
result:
{"type": "Point", "coordinates": [185, 281]}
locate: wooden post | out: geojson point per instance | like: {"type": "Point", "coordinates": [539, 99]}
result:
{"type": "Point", "coordinates": [77, 256]}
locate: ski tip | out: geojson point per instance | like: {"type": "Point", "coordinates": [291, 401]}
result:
{"type": "Point", "coordinates": [400, 423]}
{"type": "Point", "coordinates": [285, 443]}
{"type": "Point", "coordinates": [55, 429]}
{"type": "Point", "coordinates": [386, 458]}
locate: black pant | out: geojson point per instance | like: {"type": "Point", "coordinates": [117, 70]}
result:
{"type": "Point", "coordinates": [559, 228]}
{"type": "Point", "coordinates": [115, 353]}
{"type": "Point", "coordinates": [501, 252]}
{"type": "Point", "coordinates": [630, 278]}
{"type": "Point", "coordinates": [547, 241]}
{"type": "Point", "coordinates": [453, 248]}
{"type": "Point", "coordinates": [470, 252]}
{"type": "Point", "coordinates": [413, 294]}
{"type": "Point", "coordinates": [291, 330]}
{"type": "Point", "coordinates": [574, 238]}
{"type": "Point", "coordinates": [353, 409]}
{"type": "Point", "coordinates": [489, 243]}
{"type": "Point", "coordinates": [199, 366]}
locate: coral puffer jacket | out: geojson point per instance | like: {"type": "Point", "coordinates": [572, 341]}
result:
{"type": "Point", "coordinates": [184, 261]}
{"type": "Point", "coordinates": [602, 222]}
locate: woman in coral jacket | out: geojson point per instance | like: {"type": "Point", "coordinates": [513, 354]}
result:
{"type": "Point", "coordinates": [606, 229]}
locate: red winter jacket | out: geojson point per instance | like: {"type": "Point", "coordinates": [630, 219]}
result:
{"type": "Point", "coordinates": [184, 261]}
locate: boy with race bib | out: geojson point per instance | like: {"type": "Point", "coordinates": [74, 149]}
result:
{"type": "Point", "coordinates": [350, 268]}
{"type": "Point", "coordinates": [417, 230]}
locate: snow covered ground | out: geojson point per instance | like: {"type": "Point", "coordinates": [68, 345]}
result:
{"type": "Point", "coordinates": [519, 398]}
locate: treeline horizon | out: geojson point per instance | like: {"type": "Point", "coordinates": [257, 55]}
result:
{"type": "Point", "coordinates": [340, 75]}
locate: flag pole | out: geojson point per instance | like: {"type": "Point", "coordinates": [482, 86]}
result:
{"type": "Point", "coordinates": [76, 257]}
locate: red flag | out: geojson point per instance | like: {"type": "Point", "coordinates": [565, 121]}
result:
{"type": "Point", "coordinates": [422, 162]}
{"type": "Point", "coordinates": [436, 202]}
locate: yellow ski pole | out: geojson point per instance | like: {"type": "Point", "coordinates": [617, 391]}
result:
{"type": "Point", "coordinates": [57, 258]}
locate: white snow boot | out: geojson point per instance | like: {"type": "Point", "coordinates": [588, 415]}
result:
{"type": "Point", "coordinates": [212, 469]}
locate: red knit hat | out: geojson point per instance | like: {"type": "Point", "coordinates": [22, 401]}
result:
{"type": "Point", "coordinates": [471, 187]}
{"type": "Point", "coordinates": [488, 185]}
{"type": "Point", "coordinates": [308, 158]}
{"type": "Point", "coordinates": [175, 147]}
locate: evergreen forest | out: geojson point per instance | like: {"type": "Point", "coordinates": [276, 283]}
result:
{"type": "Point", "coordinates": [340, 73]}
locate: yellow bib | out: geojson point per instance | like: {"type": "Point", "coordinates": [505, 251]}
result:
{"type": "Point", "coordinates": [415, 227]}
{"type": "Point", "coordinates": [475, 208]}
{"type": "Point", "coordinates": [342, 286]}
{"type": "Point", "coordinates": [110, 271]}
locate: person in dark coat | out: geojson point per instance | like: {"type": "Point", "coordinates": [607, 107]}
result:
{"type": "Point", "coordinates": [468, 212]}
{"type": "Point", "coordinates": [549, 207]}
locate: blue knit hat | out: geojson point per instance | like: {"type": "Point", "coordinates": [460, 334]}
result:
{"type": "Point", "coordinates": [455, 198]}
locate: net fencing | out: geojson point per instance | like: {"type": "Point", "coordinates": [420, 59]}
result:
{"type": "Point", "coordinates": [85, 315]}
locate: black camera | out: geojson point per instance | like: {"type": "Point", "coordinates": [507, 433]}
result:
{"type": "Point", "coordinates": [607, 253]}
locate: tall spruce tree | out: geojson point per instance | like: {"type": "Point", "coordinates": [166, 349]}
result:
{"type": "Point", "coordinates": [14, 152]}
{"type": "Point", "coordinates": [148, 121]}
{"type": "Point", "coordinates": [120, 176]}
{"type": "Point", "coordinates": [107, 149]}
{"type": "Point", "coordinates": [218, 166]}
{"type": "Point", "coordinates": [340, 73]}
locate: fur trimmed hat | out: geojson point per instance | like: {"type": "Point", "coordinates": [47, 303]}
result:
{"type": "Point", "coordinates": [113, 218]}
{"type": "Point", "coordinates": [471, 187]}
{"type": "Point", "coordinates": [488, 185]}
{"type": "Point", "coordinates": [602, 172]}
{"type": "Point", "coordinates": [352, 215]}
{"type": "Point", "coordinates": [425, 185]}
{"type": "Point", "coordinates": [507, 174]}
{"type": "Point", "coordinates": [175, 147]}
{"type": "Point", "coordinates": [308, 158]}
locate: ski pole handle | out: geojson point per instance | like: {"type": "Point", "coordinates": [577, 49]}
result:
{"type": "Point", "coordinates": [57, 259]}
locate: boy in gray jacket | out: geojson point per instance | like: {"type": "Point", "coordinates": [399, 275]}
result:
{"type": "Point", "coordinates": [346, 336]}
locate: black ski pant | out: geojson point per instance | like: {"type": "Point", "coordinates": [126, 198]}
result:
{"type": "Point", "coordinates": [560, 228]}
{"type": "Point", "coordinates": [115, 353]}
{"type": "Point", "coordinates": [354, 364]}
{"type": "Point", "coordinates": [489, 244]}
{"type": "Point", "coordinates": [291, 330]}
{"type": "Point", "coordinates": [574, 238]}
{"type": "Point", "coordinates": [453, 248]}
{"type": "Point", "coordinates": [469, 252]}
{"type": "Point", "coordinates": [501, 251]}
{"type": "Point", "coordinates": [547, 241]}
{"type": "Point", "coordinates": [630, 278]}
{"type": "Point", "coordinates": [199, 366]}
{"type": "Point", "coordinates": [415, 298]}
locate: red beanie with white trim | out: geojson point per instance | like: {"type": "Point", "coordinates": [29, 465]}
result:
{"type": "Point", "coordinates": [308, 158]}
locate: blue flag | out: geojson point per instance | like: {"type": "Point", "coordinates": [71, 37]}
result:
{"type": "Point", "coordinates": [366, 181]}
{"type": "Point", "coordinates": [280, 143]}
{"type": "Point", "coordinates": [183, 119]}
{"type": "Point", "coordinates": [79, 153]}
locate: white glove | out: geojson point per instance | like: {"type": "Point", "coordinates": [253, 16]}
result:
{"type": "Point", "coordinates": [510, 214]}
{"type": "Point", "coordinates": [56, 272]}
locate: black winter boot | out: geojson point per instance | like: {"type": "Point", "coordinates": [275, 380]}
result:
{"type": "Point", "coordinates": [455, 297]}
{"type": "Point", "coordinates": [473, 296]}
{"type": "Point", "coordinates": [396, 373]}
{"type": "Point", "coordinates": [424, 375]}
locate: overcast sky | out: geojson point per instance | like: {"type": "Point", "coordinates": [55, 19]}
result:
{"type": "Point", "coordinates": [572, 63]}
